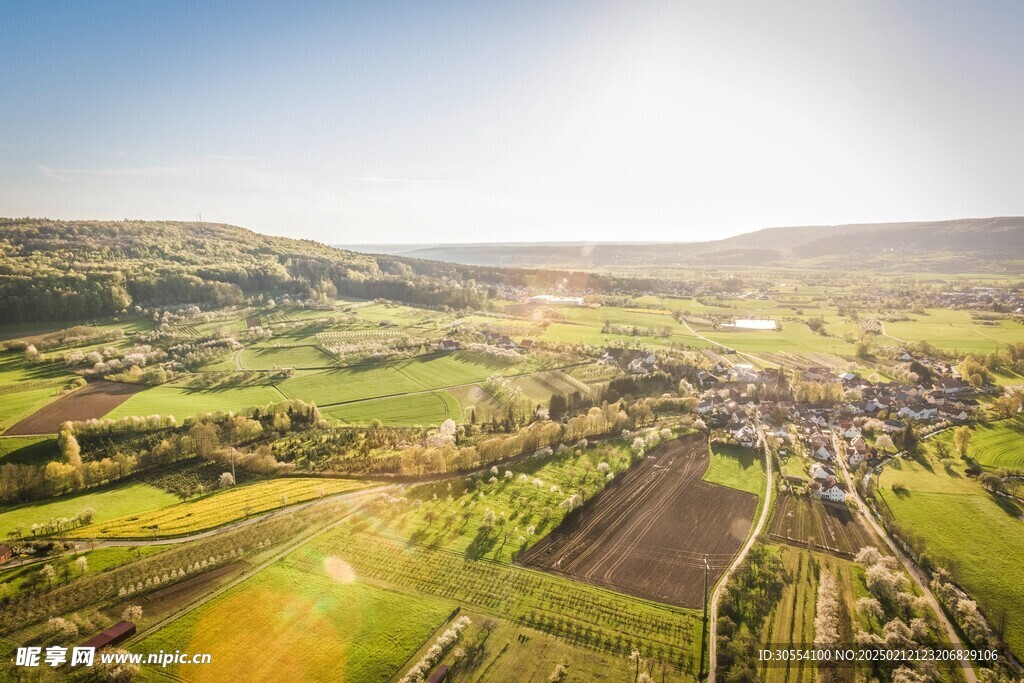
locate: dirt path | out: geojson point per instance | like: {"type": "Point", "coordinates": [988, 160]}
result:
{"type": "Point", "coordinates": [713, 609]}
{"type": "Point", "coordinates": [915, 572]}
{"type": "Point", "coordinates": [446, 388]}
{"type": "Point", "coordinates": [886, 334]}
{"type": "Point", "coordinates": [748, 356]}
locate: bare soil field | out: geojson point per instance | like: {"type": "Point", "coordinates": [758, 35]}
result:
{"type": "Point", "coordinates": [92, 400]}
{"type": "Point", "coordinates": [829, 526]}
{"type": "Point", "coordinates": [647, 533]}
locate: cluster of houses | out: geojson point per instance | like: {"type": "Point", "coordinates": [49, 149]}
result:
{"type": "Point", "coordinates": [632, 361]}
{"type": "Point", "coordinates": [725, 404]}
{"type": "Point", "coordinates": [825, 485]}
{"type": "Point", "coordinates": [982, 298]}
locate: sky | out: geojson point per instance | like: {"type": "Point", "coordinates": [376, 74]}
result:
{"type": "Point", "coordinates": [413, 122]}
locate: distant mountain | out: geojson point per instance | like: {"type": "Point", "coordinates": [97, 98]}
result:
{"type": "Point", "coordinates": [971, 244]}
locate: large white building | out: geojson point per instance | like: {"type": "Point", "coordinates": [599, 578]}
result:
{"type": "Point", "coordinates": [552, 300]}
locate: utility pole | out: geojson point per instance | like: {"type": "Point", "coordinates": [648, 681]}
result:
{"type": "Point", "coordinates": [706, 571]}
{"type": "Point", "coordinates": [704, 623]}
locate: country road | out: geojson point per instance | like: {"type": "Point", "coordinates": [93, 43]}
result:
{"type": "Point", "coordinates": [915, 572]}
{"type": "Point", "coordinates": [713, 609]}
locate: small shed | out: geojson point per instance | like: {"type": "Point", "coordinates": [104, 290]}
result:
{"type": "Point", "coordinates": [439, 674]}
{"type": "Point", "coordinates": [117, 633]}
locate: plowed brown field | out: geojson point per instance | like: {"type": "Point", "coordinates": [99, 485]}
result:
{"type": "Point", "coordinates": [647, 533]}
{"type": "Point", "coordinates": [92, 400]}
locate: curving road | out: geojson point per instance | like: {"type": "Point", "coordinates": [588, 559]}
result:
{"type": "Point", "coordinates": [713, 609]}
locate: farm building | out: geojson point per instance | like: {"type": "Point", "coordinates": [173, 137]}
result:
{"type": "Point", "coordinates": [439, 675]}
{"type": "Point", "coordinates": [830, 490]}
{"type": "Point", "coordinates": [6, 553]}
{"type": "Point", "coordinates": [752, 324]}
{"type": "Point", "coordinates": [449, 345]}
{"type": "Point", "coordinates": [112, 636]}
{"type": "Point", "coordinates": [552, 300]}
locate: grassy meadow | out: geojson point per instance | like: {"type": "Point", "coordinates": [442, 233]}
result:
{"type": "Point", "coordinates": [315, 622]}
{"type": "Point", "coordinates": [976, 534]}
{"type": "Point", "coordinates": [109, 502]}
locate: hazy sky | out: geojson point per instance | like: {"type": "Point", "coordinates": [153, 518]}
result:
{"type": "Point", "coordinates": [488, 121]}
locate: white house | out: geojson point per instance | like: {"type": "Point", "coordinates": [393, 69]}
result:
{"type": "Point", "coordinates": [854, 458]}
{"type": "Point", "coordinates": [822, 473]}
{"type": "Point", "coordinates": [745, 436]}
{"type": "Point", "coordinates": [823, 454]}
{"type": "Point", "coordinates": [830, 490]}
{"type": "Point", "coordinates": [852, 433]}
{"type": "Point", "coordinates": [922, 413]}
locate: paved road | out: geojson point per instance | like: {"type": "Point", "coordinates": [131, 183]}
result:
{"type": "Point", "coordinates": [915, 572]}
{"type": "Point", "coordinates": [713, 609]}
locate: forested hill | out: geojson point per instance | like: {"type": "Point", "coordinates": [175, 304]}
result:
{"type": "Point", "coordinates": [963, 245]}
{"type": "Point", "coordinates": [70, 270]}
{"type": "Point", "coordinates": [65, 270]}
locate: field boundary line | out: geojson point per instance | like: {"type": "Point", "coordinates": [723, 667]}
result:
{"type": "Point", "coordinates": [717, 593]}
{"type": "Point", "coordinates": [202, 600]}
{"type": "Point", "coordinates": [444, 388]}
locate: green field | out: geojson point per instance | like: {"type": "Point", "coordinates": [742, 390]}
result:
{"type": "Point", "coordinates": [792, 621]}
{"type": "Point", "coordinates": [431, 408]}
{"type": "Point", "coordinates": [118, 500]}
{"type": "Point", "coordinates": [99, 560]}
{"type": "Point", "coordinates": [589, 617]}
{"type": "Point", "coordinates": [14, 406]}
{"type": "Point", "coordinates": [389, 379]}
{"type": "Point", "coordinates": [28, 450]}
{"type": "Point", "coordinates": [270, 357]}
{"type": "Point", "coordinates": [996, 445]}
{"type": "Point", "coordinates": [170, 399]}
{"type": "Point", "coordinates": [966, 528]}
{"type": "Point", "coordinates": [350, 384]}
{"type": "Point", "coordinates": [738, 468]}
{"type": "Point", "coordinates": [956, 330]}
{"type": "Point", "coordinates": [218, 508]}
{"type": "Point", "coordinates": [317, 622]}
{"type": "Point", "coordinates": [450, 515]}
